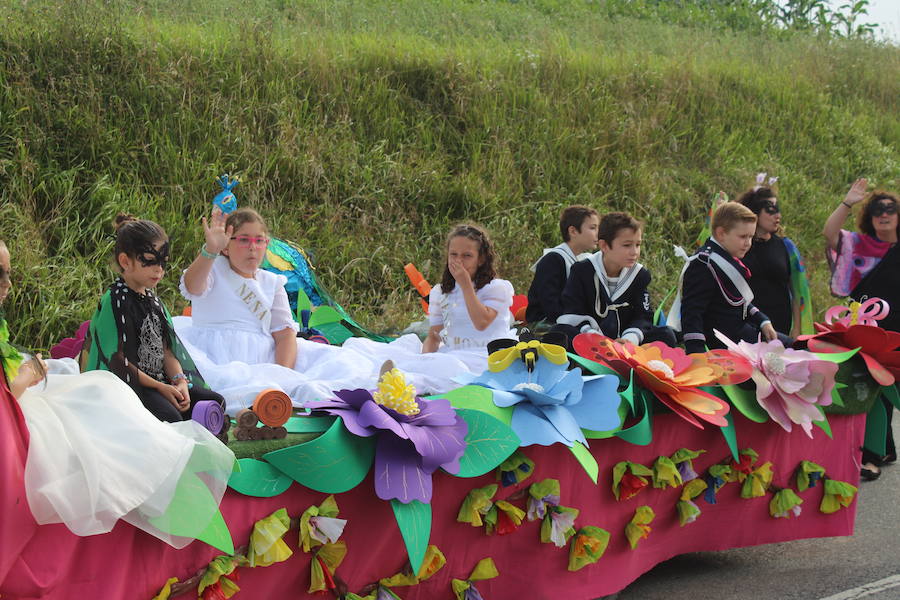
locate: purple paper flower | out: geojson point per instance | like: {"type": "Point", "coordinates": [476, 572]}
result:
{"type": "Point", "coordinates": [411, 445]}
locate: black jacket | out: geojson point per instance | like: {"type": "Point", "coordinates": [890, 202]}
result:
{"type": "Point", "coordinates": [710, 300]}
{"type": "Point", "coordinates": [545, 293]}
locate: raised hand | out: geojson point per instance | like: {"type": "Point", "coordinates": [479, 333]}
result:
{"type": "Point", "coordinates": [217, 235]}
{"type": "Point", "coordinates": [462, 277]}
{"type": "Point", "coordinates": [857, 191]}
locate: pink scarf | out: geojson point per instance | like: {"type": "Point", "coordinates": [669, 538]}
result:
{"type": "Point", "coordinates": [855, 257]}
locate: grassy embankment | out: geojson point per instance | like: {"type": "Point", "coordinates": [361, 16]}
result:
{"type": "Point", "coordinates": [362, 130]}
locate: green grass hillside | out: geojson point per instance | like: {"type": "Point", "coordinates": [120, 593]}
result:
{"type": "Point", "coordinates": [362, 130]}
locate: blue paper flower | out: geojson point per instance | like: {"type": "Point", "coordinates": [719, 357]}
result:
{"type": "Point", "coordinates": [553, 404]}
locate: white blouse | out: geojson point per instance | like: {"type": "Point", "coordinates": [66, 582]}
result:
{"type": "Point", "coordinates": [450, 311]}
{"type": "Point", "coordinates": [231, 301]}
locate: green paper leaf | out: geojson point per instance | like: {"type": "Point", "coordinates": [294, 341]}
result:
{"type": "Point", "coordinates": [479, 398]}
{"type": "Point", "coordinates": [335, 333]}
{"type": "Point", "coordinates": [876, 429]}
{"type": "Point", "coordinates": [259, 479]}
{"type": "Point", "coordinates": [730, 435]}
{"type": "Point", "coordinates": [823, 424]}
{"type": "Point", "coordinates": [641, 433]}
{"type": "Point", "coordinates": [890, 391]}
{"type": "Point", "coordinates": [836, 357]}
{"type": "Point", "coordinates": [414, 521]}
{"type": "Point", "coordinates": [303, 303]}
{"type": "Point", "coordinates": [744, 400]}
{"type": "Point", "coordinates": [182, 517]}
{"type": "Point", "coordinates": [593, 366]}
{"type": "Point", "coordinates": [309, 424]}
{"type": "Point", "coordinates": [323, 315]}
{"type": "Point", "coordinates": [836, 396]}
{"type": "Point", "coordinates": [334, 462]}
{"type": "Point", "coordinates": [586, 460]}
{"type": "Point", "coordinates": [489, 442]}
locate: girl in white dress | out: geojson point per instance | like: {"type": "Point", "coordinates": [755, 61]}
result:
{"type": "Point", "coordinates": [241, 333]}
{"type": "Point", "coordinates": [468, 309]}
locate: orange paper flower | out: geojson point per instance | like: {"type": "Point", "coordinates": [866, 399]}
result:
{"type": "Point", "coordinates": [673, 376]}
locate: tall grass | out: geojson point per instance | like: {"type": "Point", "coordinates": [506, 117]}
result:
{"type": "Point", "coordinates": [362, 130]}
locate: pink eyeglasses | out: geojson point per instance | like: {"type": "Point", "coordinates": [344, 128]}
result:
{"type": "Point", "coordinates": [245, 241]}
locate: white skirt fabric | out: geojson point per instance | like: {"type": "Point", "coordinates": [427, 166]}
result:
{"type": "Point", "coordinates": [431, 373]}
{"type": "Point", "coordinates": [96, 455]}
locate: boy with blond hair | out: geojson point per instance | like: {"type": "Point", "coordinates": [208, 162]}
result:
{"type": "Point", "coordinates": [713, 292]}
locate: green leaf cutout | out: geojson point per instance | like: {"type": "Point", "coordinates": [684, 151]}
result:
{"type": "Point", "coordinates": [309, 424]}
{"type": "Point", "coordinates": [323, 315]}
{"type": "Point", "coordinates": [332, 463]}
{"type": "Point", "coordinates": [335, 333]}
{"type": "Point", "coordinates": [489, 442]}
{"type": "Point", "coordinates": [586, 460]}
{"type": "Point", "coordinates": [414, 521]}
{"type": "Point", "coordinates": [641, 433]}
{"type": "Point", "coordinates": [744, 400]}
{"type": "Point", "coordinates": [478, 397]}
{"type": "Point", "coordinates": [823, 424]}
{"type": "Point", "coordinates": [259, 479]}
{"type": "Point", "coordinates": [890, 391]}
{"type": "Point", "coordinates": [876, 429]}
{"type": "Point", "coordinates": [730, 435]}
{"type": "Point", "coordinates": [836, 357]}
{"type": "Point", "coordinates": [182, 517]}
{"type": "Point", "coordinates": [593, 366]}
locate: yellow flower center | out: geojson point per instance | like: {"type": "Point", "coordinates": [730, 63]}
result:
{"type": "Point", "coordinates": [394, 393]}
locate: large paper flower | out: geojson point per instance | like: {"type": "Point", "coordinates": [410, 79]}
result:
{"type": "Point", "coordinates": [551, 403]}
{"type": "Point", "coordinates": [673, 376]}
{"type": "Point", "coordinates": [791, 385]}
{"type": "Point", "coordinates": [415, 436]}
{"type": "Point", "coordinates": [879, 348]}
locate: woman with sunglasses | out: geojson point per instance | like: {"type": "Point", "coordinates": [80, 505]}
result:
{"type": "Point", "coordinates": [773, 262]}
{"type": "Point", "coordinates": [866, 264]}
{"type": "Point", "coordinates": [242, 334]}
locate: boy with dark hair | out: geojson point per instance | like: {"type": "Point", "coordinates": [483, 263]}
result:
{"type": "Point", "coordinates": [608, 293]}
{"type": "Point", "coordinates": [578, 226]}
{"type": "Point", "coordinates": [713, 291]}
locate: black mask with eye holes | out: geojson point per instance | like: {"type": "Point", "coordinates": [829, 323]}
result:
{"type": "Point", "coordinates": [882, 207]}
{"type": "Point", "coordinates": [159, 257]}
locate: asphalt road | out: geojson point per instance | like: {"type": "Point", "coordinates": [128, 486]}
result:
{"type": "Point", "coordinates": [864, 565]}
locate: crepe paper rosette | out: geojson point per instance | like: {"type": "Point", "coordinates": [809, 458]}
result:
{"type": "Point", "coordinates": [672, 376]}
{"type": "Point", "coordinates": [757, 481]}
{"type": "Point", "coordinates": [325, 561]}
{"type": "Point", "coordinates": [379, 593]}
{"type": "Point", "coordinates": [588, 546]}
{"type": "Point", "coordinates": [433, 562]}
{"type": "Point", "coordinates": [629, 479]}
{"type": "Point", "coordinates": [785, 504]}
{"type": "Point", "coordinates": [558, 525]}
{"type": "Point", "coordinates": [465, 589]}
{"type": "Point", "coordinates": [218, 580]}
{"type": "Point", "coordinates": [515, 469]}
{"type": "Point", "coordinates": [741, 468]}
{"type": "Point", "coordinates": [550, 403]}
{"type": "Point", "coordinates": [541, 496]}
{"type": "Point", "coordinates": [166, 590]}
{"type": "Point", "coordinates": [320, 525]}
{"type": "Point", "coordinates": [836, 495]}
{"type": "Point", "coordinates": [684, 462]}
{"type": "Point", "coordinates": [716, 477]}
{"type": "Point", "coordinates": [266, 544]}
{"type": "Point", "coordinates": [687, 509]}
{"type": "Point", "coordinates": [791, 385]}
{"type": "Point", "coordinates": [503, 518]}
{"type": "Point", "coordinates": [476, 505]}
{"type": "Point", "coordinates": [808, 475]}
{"type": "Point", "coordinates": [639, 527]}
{"type": "Point", "coordinates": [665, 473]}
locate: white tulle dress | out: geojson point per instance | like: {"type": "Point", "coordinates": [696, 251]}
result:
{"type": "Point", "coordinates": [463, 348]}
{"type": "Point", "coordinates": [96, 455]}
{"type": "Point", "coordinates": [229, 337]}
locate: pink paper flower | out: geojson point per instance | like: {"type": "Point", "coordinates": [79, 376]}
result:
{"type": "Point", "coordinates": [791, 385]}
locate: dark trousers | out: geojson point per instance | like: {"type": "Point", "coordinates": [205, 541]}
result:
{"type": "Point", "coordinates": [164, 410]}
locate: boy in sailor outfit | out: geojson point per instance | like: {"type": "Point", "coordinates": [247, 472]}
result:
{"type": "Point", "coordinates": [713, 292]}
{"type": "Point", "coordinates": [607, 293]}
{"type": "Point", "coordinates": [578, 226]}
